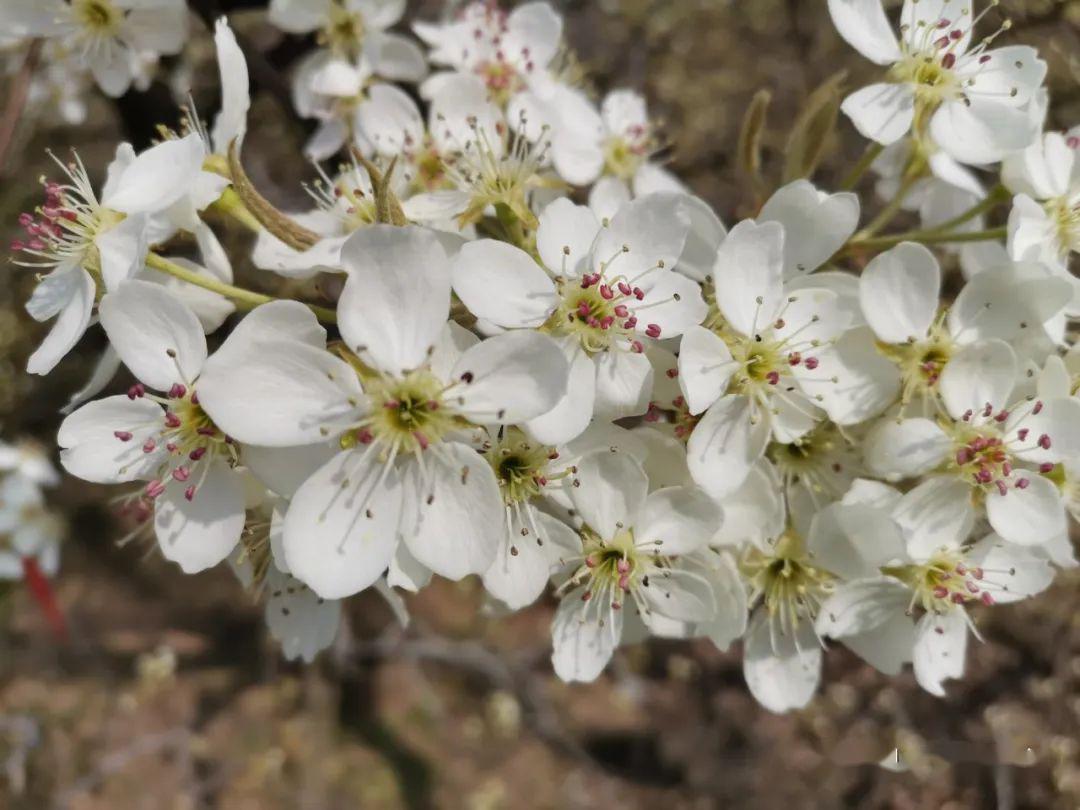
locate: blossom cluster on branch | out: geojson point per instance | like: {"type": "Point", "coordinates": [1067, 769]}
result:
{"type": "Point", "coordinates": [543, 361]}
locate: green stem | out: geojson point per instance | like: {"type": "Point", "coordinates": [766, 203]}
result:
{"type": "Point", "coordinates": [998, 194]}
{"type": "Point", "coordinates": [865, 162]}
{"type": "Point", "coordinates": [244, 299]}
{"type": "Point", "coordinates": [927, 237]}
{"type": "Point", "coordinates": [230, 204]}
{"type": "Point", "coordinates": [885, 216]}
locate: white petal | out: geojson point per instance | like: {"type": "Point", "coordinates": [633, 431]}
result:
{"type": "Point", "coordinates": [503, 284]}
{"type": "Point", "coordinates": [611, 487]}
{"type": "Point", "coordinates": [396, 57]}
{"type": "Point", "coordinates": [342, 525]}
{"type": "Point", "coordinates": [753, 513]}
{"type": "Point", "coordinates": [104, 371]}
{"type": "Point", "coordinates": [881, 112]}
{"type": "Point", "coordinates": [1058, 419]}
{"type": "Point", "coordinates": [200, 533]}
{"type": "Point", "coordinates": [122, 251]}
{"type": "Point", "coordinates": [816, 225]}
{"type": "Point", "coordinates": [979, 131]}
{"type": "Point", "coordinates": [235, 98]}
{"type": "Point", "coordinates": [522, 565]}
{"type": "Point", "coordinates": [284, 469]}
{"type": "Point", "coordinates": [862, 605]}
{"type": "Point", "coordinates": [980, 374]}
{"type": "Point", "coordinates": [571, 414]}
{"type": "Point", "coordinates": [672, 302]}
{"type": "Point", "coordinates": [299, 619]}
{"type": "Point", "coordinates": [397, 296]}
{"type": "Point", "coordinates": [1010, 572]}
{"type": "Point", "coordinates": [749, 268]}
{"type": "Point", "coordinates": [607, 196]}
{"type": "Point", "coordinates": [1030, 516]}
{"type": "Point", "coordinates": [706, 234]}
{"type": "Point", "coordinates": [75, 303]}
{"type": "Point", "coordinates": [936, 514]}
{"type": "Point", "coordinates": [853, 540]}
{"type": "Point", "coordinates": [866, 28]}
{"type": "Point", "coordinates": [725, 445]}
{"type": "Point", "coordinates": [537, 27]}
{"type": "Point", "coordinates": [730, 620]}
{"type": "Point", "coordinates": [584, 635]}
{"type": "Point", "coordinates": [904, 449]}
{"type": "Point", "coordinates": [623, 384]}
{"type": "Point", "coordinates": [390, 119]}
{"type": "Point", "coordinates": [678, 520]}
{"type": "Point", "coordinates": [158, 177]}
{"type": "Point", "coordinates": [1011, 74]}
{"type": "Point", "coordinates": [91, 450]}
{"type": "Point", "coordinates": [681, 594]}
{"type": "Point", "coordinates": [782, 674]}
{"type": "Point", "coordinates": [867, 382]}
{"type": "Point", "coordinates": [278, 393]}
{"type": "Point", "coordinates": [646, 233]}
{"type": "Point", "coordinates": [1007, 301]}
{"type": "Point", "coordinates": [705, 366]}
{"type": "Point", "coordinates": [918, 21]}
{"type": "Point", "coordinates": [898, 292]}
{"type": "Point", "coordinates": [157, 337]}
{"type": "Point", "coordinates": [509, 378]}
{"type": "Point", "coordinates": [940, 647]}
{"type": "Point", "coordinates": [565, 236]}
{"type": "Point", "coordinates": [454, 520]}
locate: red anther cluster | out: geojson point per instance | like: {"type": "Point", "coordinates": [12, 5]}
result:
{"type": "Point", "coordinates": [40, 232]}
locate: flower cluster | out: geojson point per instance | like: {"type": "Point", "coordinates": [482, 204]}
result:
{"type": "Point", "coordinates": [542, 361]}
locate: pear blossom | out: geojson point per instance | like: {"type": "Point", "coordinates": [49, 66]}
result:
{"type": "Point", "coordinates": [347, 28]}
{"type": "Point", "coordinates": [985, 447]}
{"type": "Point", "coordinates": [628, 567]}
{"type": "Point", "coordinates": [968, 100]}
{"type": "Point", "coordinates": [906, 600]}
{"type": "Point", "coordinates": [510, 52]}
{"type": "Point", "coordinates": [86, 244]}
{"type": "Point", "coordinates": [402, 405]}
{"type": "Point", "coordinates": [112, 38]}
{"type": "Point", "coordinates": [752, 369]}
{"type": "Point", "coordinates": [166, 440]}
{"type": "Point", "coordinates": [602, 290]}
{"type": "Point", "coordinates": [1044, 224]}
{"type": "Point", "coordinates": [899, 294]}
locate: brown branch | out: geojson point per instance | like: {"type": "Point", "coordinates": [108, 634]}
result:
{"type": "Point", "coordinates": [19, 90]}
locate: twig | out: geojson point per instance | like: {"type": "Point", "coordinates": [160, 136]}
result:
{"type": "Point", "coordinates": [20, 89]}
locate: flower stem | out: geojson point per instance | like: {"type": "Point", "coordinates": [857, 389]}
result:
{"type": "Point", "coordinates": [865, 162]}
{"type": "Point", "coordinates": [230, 204]}
{"type": "Point", "coordinates": [244, 299]}
{"type": "Point", "coordinates": [927, 237]}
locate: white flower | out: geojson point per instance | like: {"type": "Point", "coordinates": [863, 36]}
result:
{"type": "Point", "coordinates": [110, 37]}
{"type": "Point", "coordinates": [165, 439]}
{"type": "Point", "coordinates": [753, 369]}
{"type": "Point", "coordinates": [30, 534]}
{"type": "Point", "coordinates": [899, 292]}
{"type": "Point", "coordinates": [87, 244]}
{"type": "Point", "coordinates": [402, 407]}
{"type": "Point", "coordinates": [984, 447]}
{"type": "Point", "coordinates": [348, 28]}
{"type": "Point", "coordinates": [459, 115]}
{"type": "Point", "coordinates": [891, 575]}
{"type": "Point", "coordinates": [629, 567]}
{"type": "Point", "coordinates": [968, 100]}
{"type": "Point", "coordinates": [532, 475]}
{"type": "Point", "coordinates": [1044, 224]}
{"type": "Point", "coordinates": [600, 292]}
{"type": "Point", "coordinates": [511, 52]}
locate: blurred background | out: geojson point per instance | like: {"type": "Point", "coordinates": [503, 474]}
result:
{"type": "Point", "coordinates": [170, 695]}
